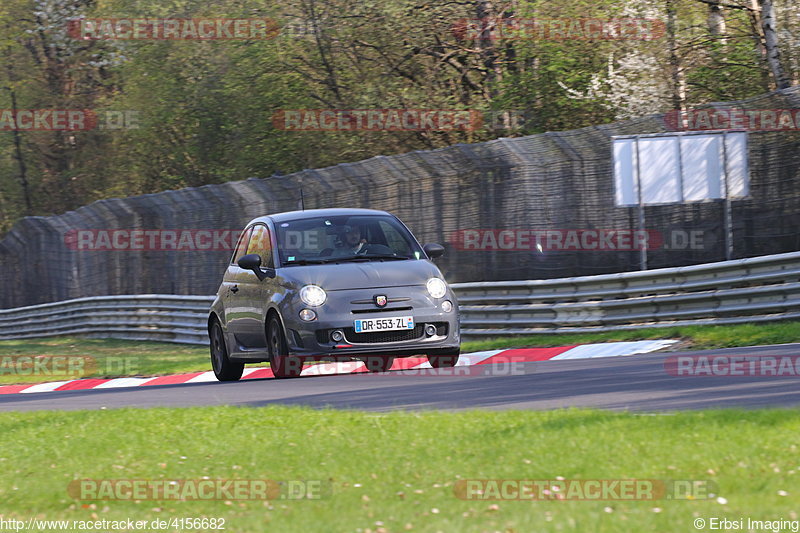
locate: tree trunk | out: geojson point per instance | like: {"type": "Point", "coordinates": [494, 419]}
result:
{"type": "Point", "coordinates": [22, 177]}
{"type": "Point", "coordinates": [490, 20]}
{"type": "Point", "coordinates": [716, 22]}
{"type": "Point", "coordinates": [772, 44]}
{"type": "Point", "coordinates": [677, 79]}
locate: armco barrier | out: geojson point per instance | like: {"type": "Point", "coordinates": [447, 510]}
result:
{"type": "Point", "coordinates": [156, 317]}
{"type": "Point", "coordinates": [745, 290]}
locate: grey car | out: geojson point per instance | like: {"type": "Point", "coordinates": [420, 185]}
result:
{"type": "Point", "coordinates": [331, 284]}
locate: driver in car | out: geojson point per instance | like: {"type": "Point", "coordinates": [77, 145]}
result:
{"type": "Point", "coordinates": [352, 243]}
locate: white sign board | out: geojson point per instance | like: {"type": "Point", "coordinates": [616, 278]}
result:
{"type": "Point", "coordinates": [680, 168]}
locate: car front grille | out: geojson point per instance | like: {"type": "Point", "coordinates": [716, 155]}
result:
{"type": "Point", "coordinates": [381, 310]}
{"type": "Point", "coordinates": [373, 337]}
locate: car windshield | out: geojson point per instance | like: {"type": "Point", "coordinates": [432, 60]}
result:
{"type": "Point", "coordinates": [345, 238]}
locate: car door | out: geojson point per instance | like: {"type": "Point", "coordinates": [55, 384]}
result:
{"type": "Point", "coordinates": [235, 308]}
{"type": "Point", "coordinates": [254, 293]}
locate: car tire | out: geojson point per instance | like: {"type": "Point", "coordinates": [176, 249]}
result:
{"type": "Point", "coordinates": [379, 364]}
{"type": "Point", "coordinates": [282, 364]}
{"type": "Point", "coordinates": [443, 361]}
{"type": "Point", "coordinates": [224, 368]}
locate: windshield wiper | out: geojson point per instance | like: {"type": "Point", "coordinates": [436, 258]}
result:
{"type": "Point", "coordinates": [351, 258]}
{"type": "Point", "coordinates": [395, 257]}
{"type": "Point", "coordinates": [370, 258]}
{"type": "Point", "coordinates": [302, 262]}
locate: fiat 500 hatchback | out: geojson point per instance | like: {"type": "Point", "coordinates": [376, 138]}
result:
{"type": "Point", "coordinates": [331, 284]}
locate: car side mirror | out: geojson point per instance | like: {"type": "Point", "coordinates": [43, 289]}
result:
{"type": "Point", "coordinates": [253, 262]}
{"type": "Point", "coordinates": [433, 250]}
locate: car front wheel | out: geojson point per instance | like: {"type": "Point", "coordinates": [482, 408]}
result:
{"type": "Point", "coordinates": [224, 368]}
{"type": "Point", "coordinates": [283, 365]}
{"type": "Point", "coordinates": [379, 364]}
{"type": "Point", "coordinates": [443, 360]}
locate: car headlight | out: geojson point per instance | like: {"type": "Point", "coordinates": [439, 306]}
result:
{"type": "Point", "coordinates": [313, 295]}
{"type": "Point", "coordinates": [436, 287]}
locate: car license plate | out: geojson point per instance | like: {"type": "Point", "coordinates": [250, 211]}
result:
{"type": "Point", "coordinates": [366, 325]}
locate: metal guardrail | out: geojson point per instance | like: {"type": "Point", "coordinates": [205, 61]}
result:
{"type": "Point", "coordinates": [744, 290]}
{"type": "Point", "coordinates": [154, 317]}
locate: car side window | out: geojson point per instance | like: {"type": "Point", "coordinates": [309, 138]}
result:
{"type": "Point", "coordinates": [261, 244]}
{"type": "Point", "coordinates": [241, 247]}
{"type": "Point", "coordinates": [394, 240]}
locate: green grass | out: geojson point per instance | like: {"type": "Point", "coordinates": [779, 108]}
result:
{"type": "Point", "coordinates": [397, 471]}
{"type": "Point", "coordinates": [112, 357]}
{"type": "Point", "coordinates": [695, 337]}
{"type": "Point", "coordinates": [116, 358]}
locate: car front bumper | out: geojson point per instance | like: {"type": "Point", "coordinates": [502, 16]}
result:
{"type": "Point", "coordinates": [312, 340]}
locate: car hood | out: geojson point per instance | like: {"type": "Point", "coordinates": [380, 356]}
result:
{"type": "Point", "coordinates": [372, 275]}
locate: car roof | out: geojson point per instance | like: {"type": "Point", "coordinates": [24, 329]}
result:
{"type": "Point", "coordinates": [314, 213]}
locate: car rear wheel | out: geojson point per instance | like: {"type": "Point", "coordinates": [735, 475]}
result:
{"type": "Point", "coordinates": [443, 361]}
{"type": "Point", "coordinates": [379, 364]}
{"type": "Point", "coordinates": [224, 368]}
{"type": "Point", "coordinates": [282, 364]}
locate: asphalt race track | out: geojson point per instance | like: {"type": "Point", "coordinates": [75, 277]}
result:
{"type": "Point", "coordinates": [635, 383]}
